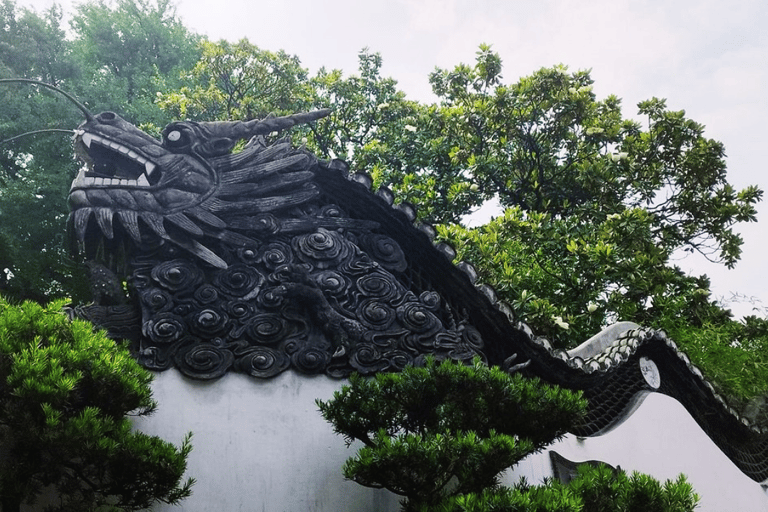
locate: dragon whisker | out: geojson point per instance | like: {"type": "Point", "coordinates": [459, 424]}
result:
{"type": "Point", "coordinates": [35, 132]}
{"type": "Point", "coordinates": [83, 109]}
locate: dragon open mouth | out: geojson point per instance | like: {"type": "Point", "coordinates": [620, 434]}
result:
{"type": "Point", "coordinates": [114, 189]}
{"type": "Point", "coordinates": [109, 163]}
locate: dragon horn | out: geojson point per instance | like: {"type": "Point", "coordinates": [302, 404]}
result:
{"type": "Point", "coordinates": [247, 129]}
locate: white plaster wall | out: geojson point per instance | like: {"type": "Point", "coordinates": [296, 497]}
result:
{"type": "Point", "coordinates": [661, 439]}
{"type": "Point", "coordinates": [261, 445]}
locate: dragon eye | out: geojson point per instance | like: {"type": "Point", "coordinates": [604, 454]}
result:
{"type": "Point", "coordinates": [177, 137]}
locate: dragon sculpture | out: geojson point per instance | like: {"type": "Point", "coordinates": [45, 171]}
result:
{"type": "Point", "coordinates": [243, 260]}
{"type": "Point", "coordinates": [260, 257]}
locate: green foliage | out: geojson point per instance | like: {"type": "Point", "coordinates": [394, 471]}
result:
{"type": "Point", "coordinates": [547, 144]}
{"type": "Point", "coordinates": [65, 391]}
{"type": "Point", "coordinates": [127, 52]}
{"type": "Point", "coordinates": [36, 170]}
{"type": "Point", "coordinates": [237, 82]}
{"type": "Point", "coordinates": [371, 118]}
{"type": "Point", "coordinates": [445, 429]}
{"type": "Point", "coordinates": [595, 489]}
{"type": "Point", "coordinates": [604, 490]}
{"type": "Point", "coordinates": [441, 434]}
{"type": "Point", "coordinates": [567, 278]}
{"type": "Point", "coordinates": [550, 497]}
{"type": "Point", "coordinates": [743, 380]}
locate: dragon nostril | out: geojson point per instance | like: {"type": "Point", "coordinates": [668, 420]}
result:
{"type": "Point", "coordinates": [107, 116]}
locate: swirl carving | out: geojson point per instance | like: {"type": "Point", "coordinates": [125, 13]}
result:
{"type": "Point", "coordinates": [209, 323]}
{"type": "Point", "coordinates": [311, 299]}
{"type": "Point", "coordinates": [207, 294]}
{"type": "Point", "coordinates": [380, 285]}
{"type": "Point", "coordinates": [164, 329]}
{"type": "Point", "coordinates": [262, 362]}
{"type": "Point", "coordinates": [385, 251]}
{"type": "Point", "coordinates": [375, 314]}
{"type": "Point", "coordinates": [248, 254]}
{"type": "Point", "coordinates": [204, 360]}
{"type": "Point", "coordinates": [310, 360]}
{"type": "Point", "coordinates": [272, 297]}
{"type": "Point", "coordinates": [332, 282]}
{"type": "Point", "coordinates": [157, 300]}
{"type": "Point", "coordinates": [267, 329]}
{"type": "Point", "coordinates": [276, 254]}
{"type": "Point", "coordinates": [239, 281]}
{"type": "Point", "coordinates": [416, 317]}
{"type": "Point", "coordinates": [178, 276]}
{"type": "Point", "coordinates": [322, 248]}
{"type": "Point", "coordinates": [367, 358]}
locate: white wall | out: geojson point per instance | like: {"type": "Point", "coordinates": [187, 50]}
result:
{"type": "Point", "coordinates": [259, 445]}
{"type": "Point", "coordinates": [263, 446]}
{"type": "Point", "coordinates": [661, 439]}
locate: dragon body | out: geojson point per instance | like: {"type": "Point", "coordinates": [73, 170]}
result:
{"type": "Point", "coordinates": [244, 260]}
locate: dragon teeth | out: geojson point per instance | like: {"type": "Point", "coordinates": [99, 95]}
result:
{"type": "Point", "coordinates": [88, 181]}
{"type": "Point", "coordinates": [87, 138]}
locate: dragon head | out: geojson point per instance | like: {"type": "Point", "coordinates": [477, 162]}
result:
{"type": "Point", "coordinates": [185, 188]}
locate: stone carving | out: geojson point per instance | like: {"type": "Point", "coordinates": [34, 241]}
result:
{"type": "Point", "coordinates": [238, 260]}
{"type": "Point", "coordinates": [266, 259]}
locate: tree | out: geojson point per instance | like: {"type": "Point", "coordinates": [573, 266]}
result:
{"type": "Point", "coordinates": [237, 82]}
{"type": "Point", "coordinates": [128, 52]}
{"type": "Point", "coordinates": [36, 170]}
{"type": "Point", "coordinates": [441, 434]}
{"type": "Point", "coordinates": [567, 278]}
{"type": "Point", "coordinates": [598, 206]}
{"type": "Point", "coordinates": [368, 110]}
{"type": "Point", "coordinates": [65, 391]}
{"type": "Point", "coordinates": [546, 144]}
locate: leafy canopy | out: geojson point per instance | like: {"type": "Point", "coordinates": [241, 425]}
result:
{"type": "Point", "coordinates": [65, 393]}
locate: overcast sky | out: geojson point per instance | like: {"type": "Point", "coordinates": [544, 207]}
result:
{"type": "Point", "coordinates": [707, 57]}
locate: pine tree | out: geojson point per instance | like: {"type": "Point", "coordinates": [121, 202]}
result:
{"type": "Point", "coordinates": [440, 436]}
{"type": "Point", "coordinates": [66, 394]}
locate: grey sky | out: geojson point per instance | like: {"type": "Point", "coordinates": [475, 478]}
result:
{"type": "Point", "coordinates": [708, 57]}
